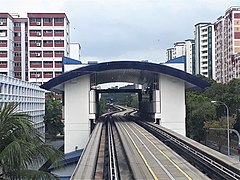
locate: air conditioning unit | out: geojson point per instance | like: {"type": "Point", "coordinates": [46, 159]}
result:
{"type": "Point", "coordinates": [39, 34]}
{"type": "Point", "coordinates": [38, 54]}
{"type": "Point", "coordinates": [38, 44]}
{"type": "Point", "coordinates": [38, 23]}
{"type": "Point", "coordinates": [1, 23]}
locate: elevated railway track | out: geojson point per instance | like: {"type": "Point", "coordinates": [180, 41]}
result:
{"type": "Point", "coordinates": [123, 147]}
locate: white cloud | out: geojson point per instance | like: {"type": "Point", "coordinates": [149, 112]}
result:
{"type": "Point", "coordinates": [141, 29]}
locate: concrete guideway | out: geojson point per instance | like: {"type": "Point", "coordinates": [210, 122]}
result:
{"type": "Point", "coordinates": [161, 162]}
{"type": "Point", "coordinates": [137, 154]}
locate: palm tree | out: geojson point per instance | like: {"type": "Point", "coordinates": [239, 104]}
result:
{"type": "Point", "coordinates": [21, 147]}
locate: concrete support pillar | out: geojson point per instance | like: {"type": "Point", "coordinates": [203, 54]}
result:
{"type": "Point", "coordinates": [156, 103]}
{"type": "Point", "coordinates": [92, 104]}
{"type": "Point", "coordinates": [139, 100]}
{"type": "Point", "coordinates": [173, 110]}
{"type": "Point", "coordinates": [77, 113]}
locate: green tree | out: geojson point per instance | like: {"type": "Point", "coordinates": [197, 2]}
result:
{"type": "Point", "coordinates": [102, 105]}
{"type": "Point", "coordinates": [199, 110]}
{"type": "Point", "coordinates": [53, 116]}
{"type": "Point", "coordinates": [21, 147]}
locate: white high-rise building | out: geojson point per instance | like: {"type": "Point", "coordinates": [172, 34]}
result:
{"type": "Point", "coordinates": [30, 99]}
{"type": "Point", "coordinates": [205, 50]}
{"type": "Point", "coordinates": [75, 50]}
{"type": "Point", "coordinates": [184, 49]}
{"type": "Point", "coordinates": [179, 49]}
{"type": "Point", "coordinates": [190, 56]}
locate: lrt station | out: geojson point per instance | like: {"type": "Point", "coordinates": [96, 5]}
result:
{"type": "Point", "coordinates": [124, 144]}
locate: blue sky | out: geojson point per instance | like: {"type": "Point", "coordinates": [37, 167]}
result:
{"type": "Point", "coordinates": [127, 29]}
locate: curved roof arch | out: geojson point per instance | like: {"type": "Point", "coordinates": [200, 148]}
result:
{"type": "Point", "coordinates": [130, 71]}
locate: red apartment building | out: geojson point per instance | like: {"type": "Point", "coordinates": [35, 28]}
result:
{"type": "Point", "coordinates": [227, 43]}
{"type": "Point", "coordinates": [31, 48]}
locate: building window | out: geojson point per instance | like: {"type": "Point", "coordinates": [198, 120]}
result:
{"type": "Point", "coordinates": [47, 52]}
{"type": "Point", "coordinates": [47, 20]}
{"type": "Point", "coordinates": [48, 42]}
{"type": "Point", "coordinates": [59, 42]}
{"type": "Point", "coordinates": [59, 20]}
{"type": "Point", "coordinates": [17, 34]}
{"type": "Point", "coordinates": [17, 44]}
{"type": "Point", "coordinates": [35, 19]}
{"type": "Point", "coordinates": [17, 24]}
{"type": "Point", "coordinates": [17, 54]}
{"type": "Point", "coordinates": [17, 74]}
{"type": "Point", "coordinates": [4, 20]}
{"type": "Point", "coordinates": [59, 31]}
{"type": "Point", "coordinates": [3, 42]}
{"type": "Point", "coordinates": [17, 64]}
{"type": "Point", "coordinates": [47, 31]}
{"type": "Point", "coordinates": [3, 33]}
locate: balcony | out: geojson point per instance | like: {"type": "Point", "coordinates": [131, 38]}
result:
{"type": "Point", "coordinates": [48, 75]}
{"type": "Point", "coordinates": [17, 38]}
{"type": "Point", "coordinates": [35, 65]}
{"type": "Point", "coordinates": [47, 44]}
{"type": "Point", "coordinates": [59, 34]}
{"type": "Point", "coordinates": [3, 34]}
{"type": "Point", "coordinates": [48, 65]}
{"type": "Point", "coordinates": [17, 59]}
{"type": "Point", "coordinates": [3, 65]}
{"type": "Point", "coordinates": [38, 55]}
{"type": "Point", "coordinates": [35, 34]}
{"type": "Point", "coordinates": [3, 55]}
{"type": "Point", "coordinates": [35, 24]}
{"type": "Point", "coordinates": [17, 28]}
{"type": "Point", "coordinates": [58, 65]}
{"type": "Point", "coordinates": [57, 74]}
{"type": "Point", "coordinates": [17, 68]}
{"type": "Point", "coordinates": [17, 48]}
{"type": "Point", "coordinates": [58, 23]}
{"type": "Point", "coordinates": [47, 54]}
{"type": "Point", "coordinates": [59, 44]}
{"type": "Point", "coordinates": [33, 44]}
{"type": "Point", "coordinates": [3, 44]}
{"type": "Point", "coordinates": [47, 34]}
{"type": "Point", "coordinates": [36, 76]}
{"type": "Point", "coordinates": [47, 23]}
{"type": "Point", "coordinates": [59, 54]}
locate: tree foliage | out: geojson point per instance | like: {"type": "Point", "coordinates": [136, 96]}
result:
{"type": "Point", "coordinates": [201, 113]}
{"type": "Point", "coordinates": [199, 110]}
{"type": "Point", "coordinates": [22, 147]}
{"type": "Point", "coordinates": [53, 116]}
{"type": "Point", "coordinates": [102, 105]}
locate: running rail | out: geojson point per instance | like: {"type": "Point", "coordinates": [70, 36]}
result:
{"type": "Point", "coordinates": [114, 174]}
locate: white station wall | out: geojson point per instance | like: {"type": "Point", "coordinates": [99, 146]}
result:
{"type": "Point", "coordinates": [77, 124]}
{"type": "Point", "coordinates": [172, 92]}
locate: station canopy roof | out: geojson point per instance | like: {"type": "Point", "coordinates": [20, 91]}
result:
{"type": "Point", "coordinates": [137, 72]}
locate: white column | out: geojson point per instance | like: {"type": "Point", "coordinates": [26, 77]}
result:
{"type": "Point", "coordinates": [77, 124]}
{"type": "Point", "coordinates": [173, 109]}
{"type": "Point", "coordinates": [156, 104]}
{"type": "Point", "coordinates": [92, 104]}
